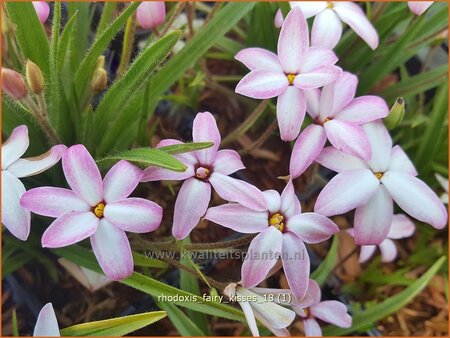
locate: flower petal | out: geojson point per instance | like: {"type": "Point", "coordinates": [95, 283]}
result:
{"type": "Point", "coordinates": [349, 138]}
{"type": "Point", "coordinates": [317, 57]}
{"type": "Point", "coordinates": [190, 205]}
{"type": "Point", "coordinates": [250, 317]}
{"type": "Point", "coordinates": [290, 205]}
{"type": "Point", "coordinates": [234, 190]}
{"type": "Point", "coordinates": [306, 149]}
{"type": "Point", "coordinates": [262, 254]}
{"type": "Point", "coordinates": [15, 146]}
{"type": "Point", "coordinates": [53, 202]}
{"type": "Point", "coordinates": [381, 144]}
{"type": "Point", "coordinates": [364, 109]}
{"type": "Point", "coordinates": [339, 161]}
{"type": "Point", "coordinates": [319, 77]}
{"type": "Point", "coordinates": [205, 129]}
{"type": "Point", "coordinates": [312, 328]}
{"type": "Point", "coordinates": [366, 252]}
{"type": "Point", "coordinates": [295, 264]}
{"type": "Point", "coordinates": [82, 174]}
{"type": "Point", "coordinates": [278, 19]}
{"type": "Point", "coordinates": [273, 200]}
{"type": "Point", "coordinates": [419, 7]}
{"type": "Point", "coordinates": [42, 10]}
{"type": "Point", "coordinates": [353, 16]}
{"type": "Point", "coordinates": [70, 229]}
{"type": "Point", "coordinates": [326, 30]}
{"type": "Point", "coordinates": [311, 227]}
{"type": "Point", "coordinates": [346, 191]}
{"type": "Point", "coordinates": [416, 198]}
{"type": "Point", "coordinates": [402, 227]}
{"type": "Point", "coordinates": [293, 41]}
{"type": "Point", "coordinates": [388, 250]}
{"type": "Point", "coordinates": [46, 324]}
{"type": "Point", "coordinates": [134, 214]}
{"type": "Point", "coordinates": [309, 8]}
{"type": "Point", "coordinates": [333, 312]}
{"type": "Point", "coordinates": [312, 97]}
{"type": "Point", "coordinates": [238, 218]}
{"type": "Point", "coordinates": [227, 162]}
{"type": "Point", "coordinates": [401, 162]}
{"type": "Point", "coordinates": [291, 109]}
{"type": "Point", "coordinates": [112, 250]}
{"type": "Point", "coordinates": [337, 95]}
{"type": "Point", "coordinates": [262, 84]}
{"type": "Point", "coordinates": [373, 219]}
{"type": "Point", "coordinates": [30, 166]}
{"type": "Point", "coordinates": [14, 217]}
{"type": "Point", "coordinates": [314, 291]}
{"type": "Point", "coordinates": [152, 174]}
{"type": "Point", "coordinates": [120, 181]}
{"type": "Point", "coordinates": [259, 58]}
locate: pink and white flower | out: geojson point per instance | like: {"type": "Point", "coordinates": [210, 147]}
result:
{"type": "Point", "coordinates": [205, 168]}
{"type": "Point", "coordinates": [151, 14]}
{"type": "Point", "coordinates": [372, 186]}
{"type": "Point", "coordinates": [46, 324]}
{"type": "Point", "coordinates": [14, 217]}
{"type": "Point", "coordinates": [91, 280]}
{"type": "Point", "coordinates": [42, 10]}
{"type": "Point", "coordinates": [402, 227]}
{"type": "Point", "coordinates": [419, 7]}
{"type": "Point", "coordinates": [282, 229]}
{"type": "Point", "coordinates": [337, 116]}
{"type": "Point", "coordinates": [297, 67]}
{"type": "Point", "coordinates": [329, 311]}
{"type": "Point", "coordinates": [95, 208]}
{"type": "Point", "coordinates": [256, 305]}
{"type": "Point", "coordinates": [327, 26]}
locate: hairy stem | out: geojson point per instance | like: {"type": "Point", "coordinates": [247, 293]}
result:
{"type": "Point", "coordinates": [40, 112]}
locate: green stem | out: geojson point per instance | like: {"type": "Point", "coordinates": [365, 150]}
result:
{"type": "Point", "coordinates": [128, 40]}
{"type": "Point", "coordinates": [40, 112]}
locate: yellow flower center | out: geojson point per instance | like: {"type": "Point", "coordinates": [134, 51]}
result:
{"type": "Point", "coordinates": [290, 78]}
{"type": "Point", "coordinates": [378, 175]}
{"type": "Point", "coordinates": [276, 220]}
{"type": "Point", "coordinates": [98, 210]}
{"type": "Point", "coordinates": [329, 5]}
{"type": "Point", "coordinates": [202, 173]}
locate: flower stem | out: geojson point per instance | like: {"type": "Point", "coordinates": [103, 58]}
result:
{"type": "Point", "coordinates": [220, 245]}
{"type": "Point", "coordinates": [171, 20]}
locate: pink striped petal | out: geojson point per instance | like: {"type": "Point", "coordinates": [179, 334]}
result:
{"type": "Point", "coordinates": [227, 162]}
{"type": "Point", "coordinates": [259, 58]}
{"type": "Point", "coordinates": [402, 227]}
{"type": "Point", "coordinates": [190, 205]}
{"type": "Point", "coordinates": [46, 324]}
{"type": "Point", "coordinates": [373, 219]}
{"type": "Point", "coordinates": [273, 200]}
{"type": "Point", "coordinates": [364, 109]}
{"type": "Point", "coordinates": [388, 250]}
{"type": "Point", "coordinates": [290, 205]}
{"type": "Point", "coordinates": [339, 161]}
{"type": "Point", "coordinates": [381, 144]}
{"type": "Point", "coordinates": [349, 138]}
{"type": "Point", "coordinates": [419, 7]}
{"type": "Point", "coordinates": [312, 328]}
{"type": "Point", "coordinates": [82, 174]}
{"type": "Point", "coordinates": [112, 250]}
{"type": "Point", "coordinates": [326, 30]}
{"type": "Point", "coordinates": [312, 97]}
{"type": "Point", "coordinates": [337, 95]}
{"type": "Point", "coordinates": [295, 264]}
{"type": "Point", "coordinates": [238, 218]}
{"type": "Point", "coordinates": [53, 202]}
{"type": "Point", "coordinates": [333, 312]}
{"type": "Point", "coordinates": [205, 129]}
{"type": "Point", "coordinates": [30, 166]}
{"type": "Point", "coordinates": [366, 252]}
{"type": "Point", "coordinates": [291, 109]}
{"type": "Point", "coordinates": [353, 16]}
{"type": "Point", "coordinates": [319, 77]}
{"type": "Point", "coordinates": [416, 198]}
{"type": "Point", "coordinates": [70, 229]}
{"type": "Point", "coordinates": [14, 217]}
{"type": "Point", "coordinates": [262, 84]}
{"type": "Point", "coordinates": [317, 57]}
{"type": "Point", "coordinates": [293, 41]}
{"type": "Point", "coordinates": [400, 162]}
{"type": "Point", "coordinates": [234, 190]}
{"type": "Point", "coordinates": [306, 149]}
{"type": "Point", "coordinates": [15, 146]}
{"type": "Point", "coordinates": [261, 256]}
{"type": "Point", "coordinates": [346, 191]}
{"type": "Point", "coordinates": [309, 8]}
{"type": "Point", "coordinates": [134, 215]}
{"type": "Point", "coordinates": [42, 10]}
{"type": "Point", "coordinates": [311, 227]}
{"type": "Point", "coordinates": [120, 181]}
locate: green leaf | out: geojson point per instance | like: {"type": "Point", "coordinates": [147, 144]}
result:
{"type": "Point", "coordinates": [184, 325]}
{"type": "Point", "coordinates": [114, 327]}
{"type": "Point", "coordinates": [145, 157]}
{"type": "Point", "coordinates": [262, 31]}
{"type": "Point", "coordinates": [186, 147]}
{"type": "Point", "coordinates": [108, 112]}
{"type": "Point", "coordinates": [15, 326]}
{"type": "Point", "coordinates": [64, 41]}
{"type": "Point", "coordinates": [141, 260]}
{"type": "Point", "coordinates": [320, 275]}
{"type": "Point", "coordinates": [109, 8]}
{"type": "Point", "coordinates": [387, 307]}
{"type": "Point", "coordinates": [29, 33]}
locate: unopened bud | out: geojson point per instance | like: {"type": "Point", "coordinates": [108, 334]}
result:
{"type": "Point", "coordinates": [99, 80]}
{"type": "Point", "coordinates": [100, 62]}
{"type": "Point", "coordinates": [42, 10]}
{"type": "Point", "coordinates": [151, 14]}
{"type": "Point", "coordinates": [35, 79]}
{"type": "Point", "coordinates": [396, 114]}
{"type": "Point", "coordinates": [13, 84]}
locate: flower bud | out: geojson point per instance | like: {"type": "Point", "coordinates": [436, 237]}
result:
{"type": "Point", "coordinates": [42, 10]}
{"type": "Point", "coordinates": [150, 14]}
{"type": "Point", "coordinates": [396, 114]}
{"type": "Point", "coordinates": [13, 84]}
{"type": "Point", "coordinates": [34, 76]}
{"type": "Point", "coordinates": [100, 62]}
{"type": "Point", "coordinates": [99, 80]}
